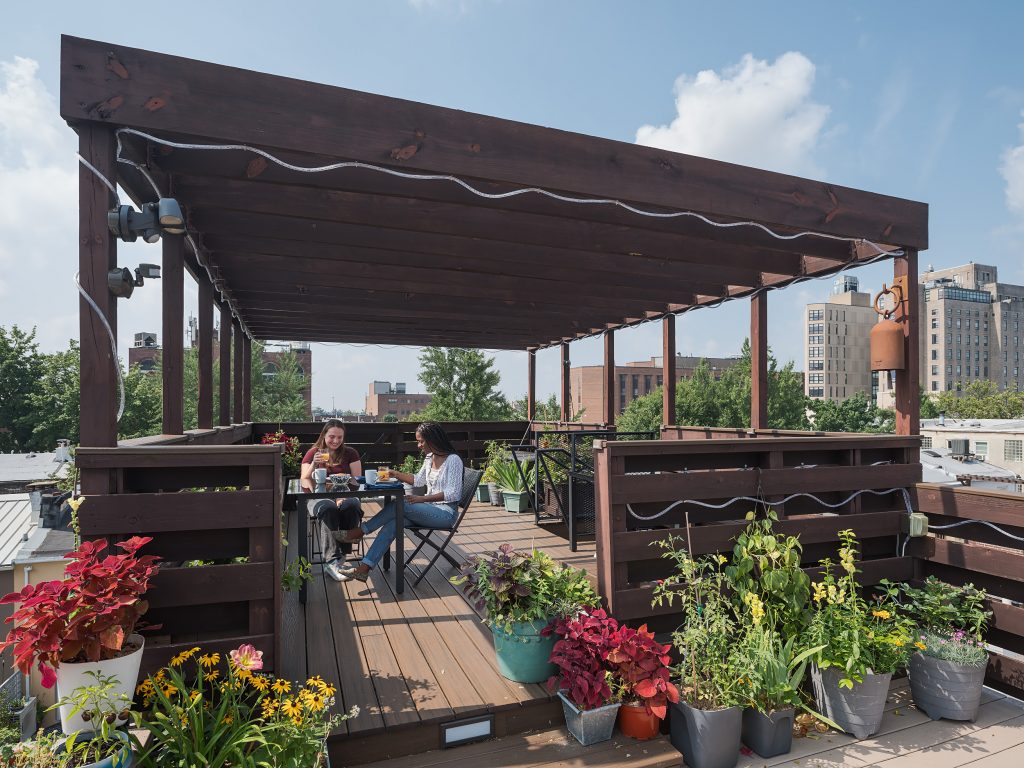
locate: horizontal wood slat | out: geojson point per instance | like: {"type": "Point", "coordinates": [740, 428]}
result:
{"type": "Point", "coordinates": [157, 656]}
{"type": "Point", "coordinates": [978, 558]}
{"type": "Point", "coordinates": [139, 513]}
{"type": "Point", "coordinates": [727, 483]}
{"type": "Point", "coordinates": [210, 584]}
{"type": "Point", "coordinates": [168, 456]}
{"type": "Point", "coordinates": [663, 448]}
{"type": "Point", "coordinates": [968, 504]}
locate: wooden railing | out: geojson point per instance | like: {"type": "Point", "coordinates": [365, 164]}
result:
{"type": "Point", "coordinates": [731, 433]}
{"type": "Point", "coordinates": [646, 479]}
{"type": "Point", "coordinates": [390, 442]}
{"type": "Point", "coordinates": [976, 553]}
{"type": "Point", "coordinates": [199, 503]}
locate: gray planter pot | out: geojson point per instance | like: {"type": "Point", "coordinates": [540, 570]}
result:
{"type": "Point", "coordinates": [707, 739]}
{"type": "Point", "coordinates": [858, 711]}
{"type": "Point", "coordinates": [768, 735]}
{"type": "Point", "coordinates": [589, 726]}
{"type": "Point", "coordinates": [945, 688]}
{"type": "Point", "coordinates": [497, 497]}
{"type": "Point", "coordinates": [27, 719]}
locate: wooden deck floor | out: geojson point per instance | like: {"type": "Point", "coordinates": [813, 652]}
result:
{"type": "Point", "coordinates": [907, 739]}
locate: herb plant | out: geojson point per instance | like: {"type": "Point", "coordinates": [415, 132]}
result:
{"type": "Point", "coordinates": [959, 648]}
{"type": "Point", "coordinates": [102, 707]}
{"type": "Point", "coordinates": [942, 608]}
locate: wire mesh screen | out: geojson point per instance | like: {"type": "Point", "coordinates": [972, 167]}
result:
{"type": "Point", "coordinates": [583, 508]}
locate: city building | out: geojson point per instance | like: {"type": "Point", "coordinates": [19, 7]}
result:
{"type": "Point", "coordinates": [586, 382]}
{"type": "Point", "coordinates": [939, 465]}
{"type": "Point", "coordinates": [145, 354]}
{"type": "Point", "coordinates": [973, 326]}
{"type": "Point", "coordinates": [386, 400]}
{"type": "Point", "coordinates": [995, 441]}
{"type": "Point", "coordinates": [837, 355]}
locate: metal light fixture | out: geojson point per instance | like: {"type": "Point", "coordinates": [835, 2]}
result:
{"type": "Point", "coordinates": [122, 283]}
{"type": "Point", "coordinates": [153, 220]}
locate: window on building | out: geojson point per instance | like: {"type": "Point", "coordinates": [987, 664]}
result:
{"type": "Point", "coordinates": [935, 338]}
{"type": "Point", "coordinates": [935, 370]}
{"type": "Point", "coordinates": [958, 323]}
{"type": "Point", "coordinates": [814, 314]}
{"type": "Point", "coordinates": [981, 449]}
{"type": "Point", "coordinates": [935, 322]}
{"type": "Point", "coordinates": [935, 354]}
{"type": "Point", "coordinates": [816, 328]}
{"type": "Point", "coordinates": [1013, 450]}
{"type": "Point", "coordinates": [816, 365]}
{"type": "Point", "coordinates": [660, 381]}
{"type": "Point", "coordinates": [636, 385]}
{"type": "Point", "coordinates": [647, 385]}
{"type": "Point", "coordinates": [816, 392]}
{"type": "Point", "coordinates": [935, 386]}
{"type": "Point", "coordinates": [622, 390]}
{"type": "Point", "coordinates": [958, 370]}
{"type": "Point", "coordinates": [926, 442]}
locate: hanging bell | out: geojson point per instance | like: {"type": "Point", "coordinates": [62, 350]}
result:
{"type": "Point", "coordinates": [887, 351]}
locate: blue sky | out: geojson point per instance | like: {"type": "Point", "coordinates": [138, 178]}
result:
{"type": "Point", "coordinates": [915, 99]}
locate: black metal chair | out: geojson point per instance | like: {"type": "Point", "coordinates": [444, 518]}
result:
{"type": "Point", "coordinates": [470, 480]}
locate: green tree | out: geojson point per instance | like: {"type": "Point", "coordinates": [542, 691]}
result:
{"type": "Point", "coordinates": [143, 404]}
{"type": "Point", "coordinates": [20, 370]}
{"type": "Point", "coordinates": [547, 410]}
{"type": "Point", "coordinates": [279, 395]}
{"type": "Point", "coordinates": [981, 400]}
{"type": "Point", "coordinates": [55, 399]}
{"type": "Point", "coordinates": [929, 407]}
{"type": "Point", "coordinates": [642, 414]}
{"type": "Point", "coordinates": [854, 414]}
{"type": "Point", "coordinates": [463, 385]}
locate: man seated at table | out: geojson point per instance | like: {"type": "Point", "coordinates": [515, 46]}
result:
{"type": "Point", "coordinates": [333, 516]}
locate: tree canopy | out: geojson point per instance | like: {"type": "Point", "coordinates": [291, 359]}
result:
{"type": "Point", "coordinates": [463, 385]}
{"type": "Point", "coordinates": [981, 400]}
{"type": "Point", "coordinates": [854, 414]}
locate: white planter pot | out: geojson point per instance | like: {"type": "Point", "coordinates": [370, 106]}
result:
{"type": "Point", "coordinates": [72, 675]}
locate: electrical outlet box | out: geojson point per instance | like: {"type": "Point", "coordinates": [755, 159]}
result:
{"type": "Point", "coordinates": [918, 524]}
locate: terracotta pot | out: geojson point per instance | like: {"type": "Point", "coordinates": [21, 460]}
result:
{"type": "Point", "coordinates": [637, 723]}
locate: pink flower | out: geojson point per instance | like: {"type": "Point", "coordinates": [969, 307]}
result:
{"type": "Point", "coordinates": [247, 657]}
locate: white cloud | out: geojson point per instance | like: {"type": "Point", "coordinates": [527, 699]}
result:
{"type": "Point", "coordinates": [1011, 168]}
{"type": "Point", "coordinates": [754, 113]}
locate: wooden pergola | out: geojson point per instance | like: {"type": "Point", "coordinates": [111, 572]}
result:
{"type": "Point", "coordinates": [360, 254]}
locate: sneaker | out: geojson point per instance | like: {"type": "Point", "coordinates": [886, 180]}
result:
{"type": "Point", "coordinates": [350, 572]}
{"type": "Point", "coordinates": [332, 570]}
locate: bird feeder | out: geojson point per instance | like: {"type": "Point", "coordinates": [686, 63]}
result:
{"type": "Point", "coordinates": [888, 352]}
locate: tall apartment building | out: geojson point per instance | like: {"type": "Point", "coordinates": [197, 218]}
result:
{"type": "Point", "coordinates": [836, 349]}
{"type": "Point", "coordinates": [973, 326]}
{"type": "Point", "coordinates": [633, 380]}
{"type": "Point", "coordinates": [386, 400]}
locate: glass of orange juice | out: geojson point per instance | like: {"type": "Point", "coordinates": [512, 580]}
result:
{"type": "Point", "coordinates": [383, 474]}
{"type": "Point", "coordinates": [324, 457]}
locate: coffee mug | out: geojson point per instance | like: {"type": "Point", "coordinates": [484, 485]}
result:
{"type": "Point", "coordinates": [371, 476]}
{"type": "Point", "coordinates": [320, 475]}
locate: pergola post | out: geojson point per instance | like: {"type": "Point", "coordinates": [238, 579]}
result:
{"type": "Point", "coordinates": [172, 285]}
{"type": "Point", "coordinates": [759, 361]}
{"type": "Point", "coordinates": [565, 400]}
{"type": "Point", "coordinates": [97, 255]}
{"type": "Point", "coordinates": [531, 385]}
{"type": "Point", "coordinates": [246, 378]}
{"type": "Point", "coordinates": [908, 389]}
{"type": "Point", "coordinates": [225, 364]}
{"type": "Point", "coordinates": [609, 378]}
{"type": "Point", "coordinates": [237, 379]}
{"type": "Point", "coordinates": [668, 370]}
{"type": "Point", "coordinates": [204, 408]}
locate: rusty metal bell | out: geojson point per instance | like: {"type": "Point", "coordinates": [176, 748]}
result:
{"type": "Point", "coordinates": [887, 353]}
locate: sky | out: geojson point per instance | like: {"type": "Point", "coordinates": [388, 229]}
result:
{"type": "Point", "coordinates": [922, 100]}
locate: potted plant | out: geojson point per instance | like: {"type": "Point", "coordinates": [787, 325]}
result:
{"type": "Point", "coordinates": [583, 678]}
{"type": "Point", "coordinates": [641, 679]}
{"type": "Point", "coordinates": [861, 646]}
{"type": "Point", "coordinates": [705, 723]}
{"type": "Point", "coordinates": [85, 623]}
{"type": "Point", "coordinates": [100, 704]}
{"type": "Point", "coordinates": [515, 492]}
{"type": "Point", "coordinates": [947, 667]}
{"type": "Point", "coordinates": [521, 593]}
{"type": "Point", "coordinates": [219, 711]}
{"type": "Point", "coordinates": [497, 455]}
{"type": "Point", "coordinates": [37, 753]}
{"type": "Point", "coordinates": [291, 453]}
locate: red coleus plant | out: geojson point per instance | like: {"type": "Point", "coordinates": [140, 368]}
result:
{"type": "Point", "coordinates": [581, 655]}
{"type": "Point", "coordinates": [85, 617]}
{"type": "Point", "coordinates": [641, 667]}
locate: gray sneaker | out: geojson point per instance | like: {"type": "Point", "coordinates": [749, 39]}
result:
{"type": "Point", "coordinates": [332, 570]}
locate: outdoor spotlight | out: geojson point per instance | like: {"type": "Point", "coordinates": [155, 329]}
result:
{"type": "Point", "coordinates": [121, 282]}
{"type": "Point", "coordinates": [150, 222]}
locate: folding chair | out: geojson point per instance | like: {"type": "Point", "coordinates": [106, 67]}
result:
{"type": "Point", "coordinates": [470, 480]}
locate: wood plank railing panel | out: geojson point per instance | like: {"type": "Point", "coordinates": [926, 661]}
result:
{"type": "Point", "coordinates": [143, 513]}
{"type": "Point", "coordinates": [208, 584]}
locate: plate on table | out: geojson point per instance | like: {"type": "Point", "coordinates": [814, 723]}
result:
{"type": "Point", "coordinates": [387, 484]}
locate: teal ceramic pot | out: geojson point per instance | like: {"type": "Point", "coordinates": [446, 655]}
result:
{"type": "Point", "coordinates": [523, 655]}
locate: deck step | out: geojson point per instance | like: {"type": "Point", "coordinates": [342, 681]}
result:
{"type": "Point", "coordinates": [549, 748]}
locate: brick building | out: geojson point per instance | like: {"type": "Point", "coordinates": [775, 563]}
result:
{"type": "Point", "coordinates": [386, 400]}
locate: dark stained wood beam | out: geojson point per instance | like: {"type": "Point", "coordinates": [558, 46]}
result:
{"type": "Point", "coordinates": [97, 255]}
{"type": "Point", "coordinates": [908, 391]}
{"type": "Point", "coordinates": [204, 406]}
{"type": "Point", "coordinates": [759, 361]}
{"type": "Point", "coordinates": [172, 285]}
{"type": "Point", "coordinates": [668, 370]}
{"type": "Point", "coordinates": [608, 400]}
{"type": "Point", "coordinates": [104, 82]}
{"type": "Point", "coordinates": [565, 391]}
{"type": "Point", "coordinates": [225, 364]}
{"type": "Point", "coordinates": [238, 374]}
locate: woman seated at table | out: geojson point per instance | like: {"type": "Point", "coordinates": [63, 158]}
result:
{"type": "Point", "coordinates": [332, 515]}
{"type": "Point", "coordinates": [441, 473]}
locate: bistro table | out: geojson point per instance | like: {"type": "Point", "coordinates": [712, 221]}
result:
{"type": "Point", "coordinates": [301, 491]}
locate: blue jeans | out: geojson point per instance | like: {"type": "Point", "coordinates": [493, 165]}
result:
{"type": "Point", "coordinates": [420, 514]}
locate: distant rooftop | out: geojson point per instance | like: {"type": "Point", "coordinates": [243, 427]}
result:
{"type": "Point", "coordinates": [938, 466]}
{"type": "Point", "coordinates": [978, 425]}
{"type": "Point", "coordinates": [16, 525]}
{"type": "Point", "coordinates": [26, 467]}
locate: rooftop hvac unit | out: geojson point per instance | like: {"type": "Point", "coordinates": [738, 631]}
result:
{"type": "Point", "coordinates": [960, 448]}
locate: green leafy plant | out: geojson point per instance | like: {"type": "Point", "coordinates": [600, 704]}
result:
{"type": "Point", "coordinates": [101, 706]}
{"type": "Point", "coordinates": [855, 636]}
{"type": "Point", "coordinates": [507, 476]}
{"type": "Point", "coordinates": [767, 565]}
{"type": "Point", "coordinates": [942, 608]}
{"type": "Point", "coordinates": [711, 664]}
{"type": "Point", "coordinates": [38, 753]}
{"type": "Point", "coordinates": [411, 464]}
{"type": "Point", "coordinates": [776, 670]}
{"type": "Point", "coordinates": [296, 572]}
{"type": "Point", "coordinates": [516, 587]}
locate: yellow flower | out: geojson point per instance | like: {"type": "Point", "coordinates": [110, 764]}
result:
{"type": "Point", "coordinates": [920, 646]}
{"type": "Point", "coordinates": [145, 688]}
{"type": "Point", "coordinates": [195, 695]}
{"type": "Point", "coordinates": [269, 707]}
{"type": "Point", "coordinates": [314, 702]}
{"type": "Point", "coordinates": [315, 681]}
{"type": "Point", "coordinates": [722, 560]}
{"type": "Point", "coordinates": [260, 683]}
{"type": "Point", "coordinates": [281, 686]}
{"type": "Point", "coordinates": [297, 720]}
{"type": "Point", "coordinates": [180, 659]}
{"type": "Point", "coordinates": [243, 674]}
{"type": "Point", "coordinates": [881, 614]}
{"type": "Point", "coordinates": [169, 689]}
{"type": "Point", "coordinates": [209, 660]}
{"type": "Point", "coordinates": [819, 591]}
{"type": "Point", "coordinates": [756, 607]}
{"type": "Point", "coordinates": [213, 674]}
{"type": "Point", "coordinates": [75, 503]}
{"type": "Point", "coordinates": [227, 720]}
{"type": "Point", "coordinates": [291, 708]}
